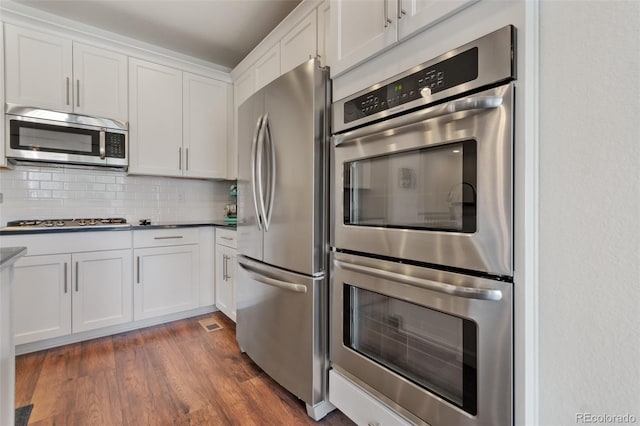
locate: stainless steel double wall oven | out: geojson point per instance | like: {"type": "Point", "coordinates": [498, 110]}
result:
{"type": "Point", "coordinates": [422, 236]}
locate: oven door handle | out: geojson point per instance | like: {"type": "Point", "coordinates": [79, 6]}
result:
{"type": "Point", "coordinates": [474, 103]}
{"type": "Point", "coordinates": [450, 289]}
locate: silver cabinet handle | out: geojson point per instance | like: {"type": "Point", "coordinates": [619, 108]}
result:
{"type": "Point", "coordinates": [103, 144]}
{"type": "Point", "coordinates": [65, 278]}
{"type": "Point", "coordinates": [475, 103]}
{"type": "Point", "coordinates": [224, 272]}
{"type": "Point", "coordinates": [401, 11]}
{"type": "Point", "coordinates": [77, 275]}
{"type": "Point", "coordinates": [174, 237]}
{"type": "Point", "coordinates": [227, 238]}
{"type": "Point", "coordinates": [68, 90]}
{"type": "Point", "coordinates": [78, 93]}
{"type": "Point", "coordinates": [387, 21]}
{"type": "Point", "coordinates": [454, 290]}
{"type": "Point", "coordinates": [138, 269]}
{"type": "Point", "coordinates": [180, 158]}
{"type": "Point", "coordinates": [296, 288]}
{"type": "Point", "coordinates": [254, 147]}
{"type": "Point", "coordinates": [187, 159]}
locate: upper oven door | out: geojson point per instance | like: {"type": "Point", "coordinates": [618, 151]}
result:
{"type": "Point", "coordinates": [432, 186]}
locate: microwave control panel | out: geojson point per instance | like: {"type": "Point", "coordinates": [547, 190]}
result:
{"type": "Point", "coordinates": [446, 74]}
{"type": "Point", "coordinates": [115, 145]}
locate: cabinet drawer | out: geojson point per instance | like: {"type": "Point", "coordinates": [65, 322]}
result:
{"type": "Point", "coordinates": [165, 237]}
{"type": "Point", "coordinates": [226, 237]}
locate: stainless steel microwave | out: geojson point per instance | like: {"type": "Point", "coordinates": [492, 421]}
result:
{"type": "Point", "coordinates": [37, 135]}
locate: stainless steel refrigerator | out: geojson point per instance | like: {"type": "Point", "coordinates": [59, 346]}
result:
{"type": "Point", "coordinates": [282, 292]}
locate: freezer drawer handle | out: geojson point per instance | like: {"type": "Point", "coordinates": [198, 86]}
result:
{"type": "Point", "coordinates": [454, 290]}
{"type": "Point", "coordinates": [296, 288]}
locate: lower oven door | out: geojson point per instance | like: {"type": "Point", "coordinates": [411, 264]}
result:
{"type": "Point", "coordinates": [434, 345]}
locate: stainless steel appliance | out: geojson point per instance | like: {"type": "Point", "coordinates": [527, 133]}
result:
{"type": "Point", "coordinates": [433, 184]}
{"type": "Point", "coordinates": [421, 268]}
{"type": "Point", "coordinates": [37, 135]}
{"type": "Point", "coordinates": [282, 232]}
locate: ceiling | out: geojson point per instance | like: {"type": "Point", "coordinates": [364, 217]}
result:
{"type": "Point", "coordinates": [218, 31]}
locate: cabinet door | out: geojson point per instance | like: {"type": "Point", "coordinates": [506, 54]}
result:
{"type": "Point", "coordinates": [38, 69]}
{"type": "Point", "coordinates": [102, 293]}
{"type": "Point", "coordinates": [3, 158]}
{"type": "Point", "coordinates": [155, 119]}
{"type": "Point", "coordinates": [42, 297]}
{"type": "Point", "coordinates": [324, 32]}
{"type": "Point", "coordinates": [100, 82]}
{"type": "Point", "coordinates": [416, 15]}
{"type": "Point", "coordinates": [267, 68]}
{"type": "Point", "coordinates": [225, 282]}
{"type": "Point", "coordinates": [359, 29]}
{"type": "Point", "coordinates": [300, 44]}
{"type": "Point", "coordinates": [204, 127]}
{"type": "Point", "coordinates": [166, 280]}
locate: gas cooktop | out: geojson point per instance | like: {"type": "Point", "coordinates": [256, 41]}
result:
{"type": "Point", "coordinates": [66, 223]}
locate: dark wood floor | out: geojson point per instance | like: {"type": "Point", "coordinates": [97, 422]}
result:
{"type": "Point", "coordinates": [174, 374]}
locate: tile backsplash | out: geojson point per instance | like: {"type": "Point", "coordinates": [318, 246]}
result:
{"type": "Point", "coordinates": [51, 192]}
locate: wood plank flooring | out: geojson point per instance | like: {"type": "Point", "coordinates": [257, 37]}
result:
{"type": "Point", "coordinates": [173, 374]}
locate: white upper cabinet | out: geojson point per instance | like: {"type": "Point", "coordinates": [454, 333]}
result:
{"type": "Point", "coordinates": [360, 29]}
{"type": "Point", "coordinates": [300, 44]}
{"type": "Point", "coordinates": [48, 71]}
{"type": "Point", "coordinates": [267, 68]}
{"type": "Point", "coordinates": [155, 128]}
{"type": "Point", "coordinates": [100, 82]}
{"type": "Point", "coordinates": [38, 69]}
{"type": "Point", "coordinates": [324, 31]}
{"type": "Point", "coordinates": [205, 131]}
{"type": "Point", "coordinates": [244, 87]}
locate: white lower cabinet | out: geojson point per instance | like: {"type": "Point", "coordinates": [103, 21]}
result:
{"type": "Point", "coordinates": [55, 295]}
{"type": "Point", "coordinates": [41, 297]}
{"type": "Point", "coordinates": [101, 289]}
{"type": "Point", "coordinates": [166, 272]}
{"type": "Point", "coordinates": [226, 256]}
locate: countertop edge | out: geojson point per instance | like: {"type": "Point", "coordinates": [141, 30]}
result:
{"type": "Point", "coordinates": [9, 255]}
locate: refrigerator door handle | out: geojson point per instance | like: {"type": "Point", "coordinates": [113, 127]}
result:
{"type": "Point", "coordinates": [272, 171]}
{"type": "Point", "coordinates": [260, 157]}
{"type": "Point", "coordinates": [255, 274]}
{"type": "Point", "coordinates": [254, 147]}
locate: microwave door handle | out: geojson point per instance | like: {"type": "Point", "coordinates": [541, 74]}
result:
{"type": "Point", "coordinates": [475, 103]}
{"type": "Point", "coordinates": [272, 171]}
{"type": "Point", "coordinates": [103, 150]}
{"type": "Point", "coordinates": [254, 145]}
{"type": "Point", "coordinates": [450, 289]}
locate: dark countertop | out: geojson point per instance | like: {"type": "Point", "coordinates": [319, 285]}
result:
{"type": "Point", "coordinates": [8, 255]}
{"type": "Point", "coordinates": [128, 227]}
{"type": "Point", "coordinates": [191, 224]}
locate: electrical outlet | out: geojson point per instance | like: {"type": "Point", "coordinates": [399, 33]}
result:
{"type": "Point", "coordinates": [181, 196]}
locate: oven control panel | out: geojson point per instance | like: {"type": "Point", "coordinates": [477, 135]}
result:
{"type": "Point", "coordinates": [446, 74]}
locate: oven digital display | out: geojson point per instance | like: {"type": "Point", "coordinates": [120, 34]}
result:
{"type": "Point", "coordinates": [444, 75]}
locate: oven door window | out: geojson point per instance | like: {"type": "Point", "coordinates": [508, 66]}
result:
{"type": "Point", "coordinates": [434, 350]}
{"type": "Point", "coordinates": [425, 189]}
{"type": "Point", "coordinates": [49, 138]}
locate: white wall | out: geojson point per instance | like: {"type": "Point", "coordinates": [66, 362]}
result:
{"type": "Point", "coordinates": [589, 280]}
{"type": "Point", "coordinates": [49, 192]}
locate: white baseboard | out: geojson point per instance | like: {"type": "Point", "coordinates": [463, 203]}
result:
{"type": "Point", "coordinates": [108, 331]}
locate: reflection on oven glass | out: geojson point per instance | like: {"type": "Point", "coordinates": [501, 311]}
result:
{"type": "Point", "coordinates": [421, 344]}
{"type": "Point", "coordinates": [428, 188]}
